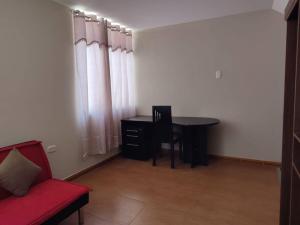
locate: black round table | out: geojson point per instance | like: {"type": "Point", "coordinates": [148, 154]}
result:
{"type": "Point", "coordinates": [194, 131]}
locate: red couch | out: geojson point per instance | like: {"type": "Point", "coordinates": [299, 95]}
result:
{"type": "Point", "coordinates": [49, 201]}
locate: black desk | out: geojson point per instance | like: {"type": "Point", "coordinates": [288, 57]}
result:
{"type": "Point", "coordinates": [137, 137]}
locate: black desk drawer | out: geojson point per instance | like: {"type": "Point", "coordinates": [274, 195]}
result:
{"type": "Point", "coordinates": [132, 128]}
{"type": "Point", "coordinates": [132, 147]}
{"type": "Point", "coordinates": [135, 151]}
{"type": "Point", "coordinates": [135, 140]}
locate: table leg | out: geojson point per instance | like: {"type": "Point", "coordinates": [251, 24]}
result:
{"type": "Point", "coordinates": [203, 146]}
{"type": "Point", "coordinates": [187, 144]}
{"type": "Point", "coordinates": [195, 145]}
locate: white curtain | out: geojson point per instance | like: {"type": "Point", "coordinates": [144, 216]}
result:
{"type": "Point", "coordinates": [105, 84]}
{"type": "Point", "coordinates": [121, 74]}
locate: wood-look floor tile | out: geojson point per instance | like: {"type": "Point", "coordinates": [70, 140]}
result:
{"type": "Point", "coordinates": [117, 209]}
{"type": "Point", "coordinates": [159, 216]}
{"type": "Point", "coordinates": [224, 193]}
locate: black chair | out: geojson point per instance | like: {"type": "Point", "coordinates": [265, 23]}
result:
{"type": "Point", "coordinates": [163, 132]}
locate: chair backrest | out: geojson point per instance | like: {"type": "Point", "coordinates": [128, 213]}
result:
{"type": "Point", "coordinates": [34, 151]}
{"type": "Point", "coordinates": [162, 122]}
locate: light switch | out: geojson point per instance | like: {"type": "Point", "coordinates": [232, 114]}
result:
{"type": "Point", "coordinates": [218, 74]}
{"type": "Point", "coordinates": [51, 148]}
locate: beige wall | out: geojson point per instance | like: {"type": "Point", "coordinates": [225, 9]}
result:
{"type": "Point", "coordinates": [37, 81]}
{"type": "Point", "coordinates": [176, 65]}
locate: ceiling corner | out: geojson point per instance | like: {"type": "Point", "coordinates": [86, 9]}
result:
{"type": "Point", "coordinates": [279, 5]}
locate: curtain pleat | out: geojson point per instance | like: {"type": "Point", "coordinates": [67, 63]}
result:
{"type": "Point", "coordinates": [102, 32]}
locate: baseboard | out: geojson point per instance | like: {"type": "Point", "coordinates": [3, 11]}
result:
{"type": "Point", "coordinates": [263, 162]}
{"type": "Point", "coordinates": [86, 170]}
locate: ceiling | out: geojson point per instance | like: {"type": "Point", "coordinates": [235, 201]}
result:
{"type": "Point", "coordinates": [145, 14]}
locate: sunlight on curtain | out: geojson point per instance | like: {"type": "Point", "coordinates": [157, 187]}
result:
{"type": "Point", "coordinates": [121, 75]}
{"type": "Point", "coordinates": [122, 87]}
{"type": "Point", "coordinates": [105, 83]}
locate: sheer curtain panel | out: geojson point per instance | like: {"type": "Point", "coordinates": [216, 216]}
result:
{"type": "Point", "coordinates": [121, 74]}
{"type": "Point", "coordinates": [104, 84]}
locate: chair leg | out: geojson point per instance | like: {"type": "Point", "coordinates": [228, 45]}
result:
{"type": "Point", "coordinates": [80, 217]}
{"type": "Point", "coordinates": [154, 158]}
{"type": "Point", "coordinates": [172, 155]}
{"type": "Point", "coordinates": [154, 154]}
{"type": "Point", "coordinates": [180, 150]}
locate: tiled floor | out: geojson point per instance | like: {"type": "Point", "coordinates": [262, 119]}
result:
{"type": "Point", "coordinates": [128, 192]}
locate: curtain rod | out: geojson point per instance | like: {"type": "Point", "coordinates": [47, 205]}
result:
{"type": "Point", "coordinates": [95, 18]}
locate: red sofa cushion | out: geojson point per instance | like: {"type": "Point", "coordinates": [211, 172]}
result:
{"type": "Point", "coordinates": [33, 150]}
{"type": "Point", "coordinates": [42, 202]}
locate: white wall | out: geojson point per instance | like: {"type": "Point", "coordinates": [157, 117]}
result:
{"type": "Point", "coordinates": [37, 81]}
{"type": "Point", "coordinates": [176, 65]}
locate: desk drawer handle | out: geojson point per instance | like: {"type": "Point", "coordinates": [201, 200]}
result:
{"type": "Point", "coordinates": [135, 131]}
{"type": "Point", "coordinates": [133, 145]}
{"type": "Point", "coordinates": [133, 136]}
